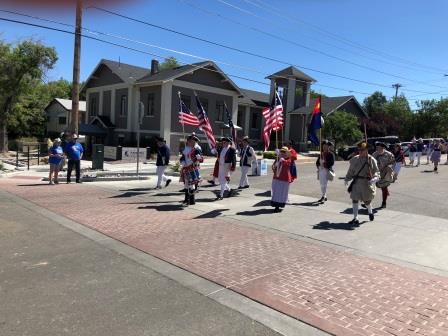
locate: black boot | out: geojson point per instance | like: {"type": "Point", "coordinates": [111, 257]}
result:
{"type": "Point", "coordinates": [383, 205]}
{"type": "Point", "coordinates": [186, 200]}
{"type": "Point", "coordinates": [191, 199]}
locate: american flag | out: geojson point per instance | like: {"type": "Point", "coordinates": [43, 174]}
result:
{"type": "Point", "coordinates": [185, 115]}
{"type": "Point", "coordinates": [231, 125]}
{"type": "Point", "coordinates": [204, 124]}
{"type": "Point", "coordinates": [273, 116]}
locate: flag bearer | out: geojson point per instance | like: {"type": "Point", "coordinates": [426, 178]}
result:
{"type": "Point", "coordinates": [227, 164]}
{"type": "Point", "coordinates": [190, 174]}
{"type": "Point", "coordinates": [247, 156]}
{"type": "Point", "coordinates": [283, 176]}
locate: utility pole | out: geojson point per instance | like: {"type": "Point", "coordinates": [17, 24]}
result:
{"type": "Point", "coordinates": [396, 86]}
{"type": "Point", "coordinates": [74, 120]}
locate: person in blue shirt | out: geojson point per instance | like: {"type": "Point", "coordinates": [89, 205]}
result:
{"type": "Point", "coordinates": [74, 151]}
{"type": "Point", "coordinates": [56, 155]}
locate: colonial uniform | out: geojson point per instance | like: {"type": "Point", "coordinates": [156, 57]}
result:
{"type": "Point", "coordinates": [363, 173]}
{"type": "Point", "coordinates": [385, 161]}
{"type": "Point", "coordinates": [247, 156]}
{"type": "Point", "coordinates": [399, 160]}
{"type": "Point", "coordinates": [163, 159]}
{"type": "Point", "coordinates": [324, 164]}
{"type": "Point", "coordinates": [215, 173]}
{"type": "Point", "coordinates": [227, 164]}
{"type": "Point", "coordinates": [190, 173]}
{"type": "Point", "coordinates": [281, 180]}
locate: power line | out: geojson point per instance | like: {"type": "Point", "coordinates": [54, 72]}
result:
{"type": "Point", "coordinates": [243, 51]}
{"type": "Point", "coordinates": [271, 9]}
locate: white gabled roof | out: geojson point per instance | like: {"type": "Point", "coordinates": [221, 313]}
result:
{"type": "Point", "coordinates": [67, 104]}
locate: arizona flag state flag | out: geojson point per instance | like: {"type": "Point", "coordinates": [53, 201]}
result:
{"type": "Point", "coordinates": [316, 122]}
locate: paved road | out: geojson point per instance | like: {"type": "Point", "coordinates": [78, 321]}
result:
{"type": "Point", "coordinates": [418, 190]}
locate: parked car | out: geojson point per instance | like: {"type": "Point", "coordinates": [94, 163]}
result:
{"type": "Point", "coordinates": [347, 153]}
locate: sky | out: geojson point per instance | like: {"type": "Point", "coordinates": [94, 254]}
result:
{"type": "Point", "coordinates": [376, 43]}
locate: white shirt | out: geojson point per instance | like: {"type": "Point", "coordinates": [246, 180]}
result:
{"type": "Point", "coordinates": [186, 152]}
{"type": "Point", "coordinates": [222, 156]}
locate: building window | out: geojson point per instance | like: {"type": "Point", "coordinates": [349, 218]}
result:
{"type": "Point", "coordinates": [240, 117]}
{"type": "Point", "coordinates": [123, 105]}
{"type": "Point", "coordinates": [186, 100]}
{"type": "Point", "coordinates": [204, 103]}
{"type": "Point", "coordinates": [93, 107]}
{"type": "Point", "coordinates": [62, 120]}
{"type": "Point", "coordinates": [254, 121]}
{"type": "Point", "coordinates": [220, 110]}
{"type": "Point", "coordinates": [149, 112]}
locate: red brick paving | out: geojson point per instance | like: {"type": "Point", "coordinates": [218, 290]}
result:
{"type": "Point", "coordinates": [338, 292]}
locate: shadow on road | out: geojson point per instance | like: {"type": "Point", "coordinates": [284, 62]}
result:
{"type": "Point", "coordinates": [264, 194]}
{"type": "Point", "coordinates": [308, 204]}
{"type": "Point", "coordinates": [128, 194]}
{"type": "Point", "coordinates": [256, 212]}
{"type": "Point", "coordinates": [337, 226]}
{"type": "Point", "coordinates": [262, 203]}
{"type": "Point", "coordinates": [138, 189]}
{"type": "Point", "coordinates": [164, 207]}
{"type": "Point", "coordinates": [35, 185]}
{"type": "Point", "coordinates": [212, 214]}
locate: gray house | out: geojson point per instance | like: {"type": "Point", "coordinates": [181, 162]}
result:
{"type": "Point", "coordinates": [114, 91]}
{"type": "Point", "coordinates": [58, 115]}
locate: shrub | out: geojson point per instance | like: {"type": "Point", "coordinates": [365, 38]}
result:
{"type": "Point", "coordinates": [175, 167]}
{"type": "Point", "coordinates": [269, 155]}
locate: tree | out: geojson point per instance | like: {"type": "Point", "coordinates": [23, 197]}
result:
{"type": "Point", "coordinates": [169, 63]}
{"type": "Point", "coordinates": [375, 104]}
{"type": "Point", "coordinates": [342, 128]}
{"type": "Point", "coordinates": [21, 66]}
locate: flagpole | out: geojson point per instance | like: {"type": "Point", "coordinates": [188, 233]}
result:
{"type": "Point", "coordinates": [183, 125]}
{"type": "Point", "coordinates": [365, 131]}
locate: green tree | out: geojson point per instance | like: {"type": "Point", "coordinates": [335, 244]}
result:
{"type": "Point", "coordinates": [343, 128]}
{"type": "Point", "coordinates": [375, 104]}
{"type": "Point", "coordinates": [169, 63]}
{"type": "Point", "coordinates": [21, 67]}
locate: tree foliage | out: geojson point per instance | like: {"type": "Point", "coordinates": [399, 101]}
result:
{"type": "Point", "coordinates": [342, 127]}
{"type": "Point", "coordinates": [169, 63]}
{"type": "Point", "coordinates": [21, 67]}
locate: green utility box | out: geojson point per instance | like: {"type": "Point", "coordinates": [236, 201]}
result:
{"type": "Point", "coordinates": [97, 156]}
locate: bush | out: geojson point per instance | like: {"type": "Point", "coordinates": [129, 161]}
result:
{"type": "Point", "coordinates": [175, 167]}
{"type": "Point", "coordinates": [269, 155]}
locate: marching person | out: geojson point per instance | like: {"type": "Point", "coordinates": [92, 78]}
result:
{"type": "Point", "coordinates": [419, 150]}
{"type": "Point", "coordinates": [412, 152]}
{"type": "Point", "coordinates": [163, 159]}
{"type": "Point", "coordinates": [56, 155]}
{"type": "Point", "coordinates": [385, 161]}
{"type": "Point", "coordinates": [436, 155]}
{"type": "Point", "coordinates": [324, 164]}
{"type": "Point", "coordinates": [283, 176]}
{"type": "Point", "coordinates": [74, 152]}
{"type": "Point", "coordinates": [399, 160]}
{"type": "Point", "coordinates": [215, 173]}
{"type": "Point", "coordinates": [363, 173]}
{"type": "Point", "coordinates": [227, 164]}
{"type": "Point", "coordinates": [190, 173]}
{"type": "Point", "coordinates": [429, 149]}
{"type": "Point", "coordinates": [247, 156]}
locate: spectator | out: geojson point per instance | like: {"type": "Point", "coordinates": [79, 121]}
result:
{"type": "Point", "coordinates": [74, 151]}
{"type": "Point", "coordinates": [56, 155]}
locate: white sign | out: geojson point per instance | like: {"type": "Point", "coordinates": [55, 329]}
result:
{"type": "Point", "coordinates": [110, 152]}
{"type": "Point", "coordinates": [260, 167]}
{"type": "Point", "coordinates": [130, 154]}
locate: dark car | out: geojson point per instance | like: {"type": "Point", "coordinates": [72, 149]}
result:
{"type": "Point", "coordinates": [347, 153]}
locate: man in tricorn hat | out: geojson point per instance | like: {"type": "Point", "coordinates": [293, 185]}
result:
{"type": "Point", "coordinates": [324, 164]}
{"type": "Point", "coordinates": [163, 159]}
{"type": "Point", "coordinates": [385, 161]}
{"type": "Point", "coordinates": [190, 173]}
{"type": "Point", "coordinates": [247, 156]}
{"type": "Point", "coordinates": [363, 173]}
{"type": "Point", "coordinates": [227, 164]}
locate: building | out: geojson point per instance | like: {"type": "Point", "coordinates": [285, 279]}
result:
{"type": "Point", "coordinates": [58, 114]}
{"type": "Point", "coordinates": [114, 91]}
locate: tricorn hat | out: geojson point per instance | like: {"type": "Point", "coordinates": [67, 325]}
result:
{"type": "Point", "coordinates": [226, 139]}
{"type": "Point", "coordinates": [193, 137]}
{"type": "Point", "coordinates": [380, 144]}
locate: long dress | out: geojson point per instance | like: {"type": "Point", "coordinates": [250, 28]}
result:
{"type": "Point", "coordinates": [280, 182]}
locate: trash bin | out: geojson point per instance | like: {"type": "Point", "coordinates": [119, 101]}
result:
{"type": "Point", "coordinates": [97, 156]}
{"type": "Point", "coordinates": [260, 167]}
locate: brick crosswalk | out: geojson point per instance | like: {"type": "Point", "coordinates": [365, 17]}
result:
{"type": "Point", "coordinates": [336, 291]}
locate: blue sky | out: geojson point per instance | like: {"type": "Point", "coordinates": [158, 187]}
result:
{"type": "Point", "coordinates": [407, 36]}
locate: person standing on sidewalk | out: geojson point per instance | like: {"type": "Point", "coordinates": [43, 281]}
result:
{"type": "Point", "coordinates": [363, 173]}
{"type": "Point", "coordinates": [56, 155]}
{"type": "Point", "coordinates": [163, 160]}
{"type": "Point", "coordinates": [247, 156]}
{"type": "Point", "coordinates": [324, 164]}
{"type": "Point", "coordinates": [283, 176]}
{"type": "Point", "coordinates": [74, 152]}
{"type": "Point", "coordinates": [385, 161]}
{"type": "Point", "coordinates": [227, 164]}
{"type": "Point", "coordinates": [419, 150]}
{"type": "Point", "coordinates": [399, 160]}
{"type": "Point", "coordinates": [436, 155]}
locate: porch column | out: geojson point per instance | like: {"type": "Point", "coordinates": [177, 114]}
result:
{"type": "Point", "coordinates": [165, 111]}
{"type": "Point", "coordinates": [247, 120]}
{"type": "Point", "coordinates": [290, 102]}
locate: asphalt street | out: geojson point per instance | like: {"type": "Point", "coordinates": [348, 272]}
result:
{"type": "Point", "coordinates": [417, 191]}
